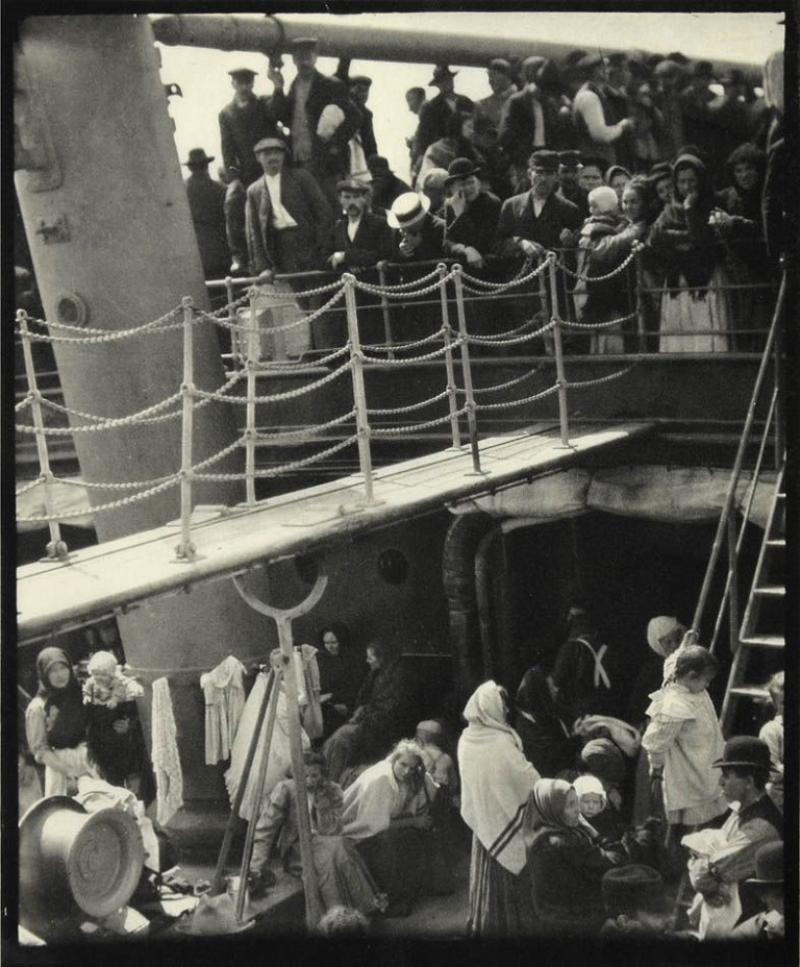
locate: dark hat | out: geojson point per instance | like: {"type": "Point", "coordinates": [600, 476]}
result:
{"type": "Point", "coordinates": [352, 184]}
{"type": "Point", "coordinates": [359, 79]}
{"type": "Point", "coordinates": [547, 160]}
{"type": "Point", "coordinates": [702, 68]}
{"type": "Point", "coordinates": [441, 72]}
{"type": "Point", "coordinates": [744, 750]}
{"type": "Point", "coordinates": [589, 61]}
{"type": "Point", "coordinates": [599, 163]}
{"type": "Point", "coordinates": [627, 889]}
{"type": "Point", "coordinates": [604, 760]}
{"type": "Point", "coordinates": [661, 169]}
{"type": "Point", "coordinates": [242, 72]}
{"type": "Point", "coordinates": [300, 43]}
{"type": "Point", "coordinates": [667, 68]}
{"type": "Point", "coordinates": [501, 65]}
{"type": "Point", "coordinates": [460, 168]}
{"type": "Point", "coordinates": [678, 57]}
{"type": "Point", "coordinates": [569, 159]}
{"type": "Point", "coordinates": [265, 144]}
{"type": "Point", "coordinates": [573, 57]}
{"type": "Point", "coordinates": [198, 158]}
{"type": "Point", "coordinates": [376, 163]}
{"type": "Point", "coordinates": [408, 209]}
{"type": "Point", "coordinates": [618, 58]}
{"type": "Point", "coordinates": [769, 865]}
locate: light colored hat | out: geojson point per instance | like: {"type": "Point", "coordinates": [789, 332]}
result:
{"type": "Point", "coordinates": [605, 198]}
{"type": "Point", "coordinates": [435, 178]}
{"type": "Point", "coordinates": [408, 209]}
{"type": "Point", "coordinates": [658, 628]}
{"type": "Point", "coordinates": [429, 727]}
{"type": "Point", "coordinates": [102, 661]}
{"type": "Point", "coordinates": [587, 784]}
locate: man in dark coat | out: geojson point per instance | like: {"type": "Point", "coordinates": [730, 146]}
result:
{"type": "Point", "coordinates": [434, 113]}
{"type": "Point", "coordinates": [321, 148]}
{"type": "Point", "coordinates": [569, 166]}
{"type": "Point", "coordinates": [207, 205]}
{"type": "Point", "coordinates": [360, 238]}
{"type": "Point", "coordinates": [599, 129]}
{"type": "Point", "coordinates": [386, 186]}
{"type": "Point", "coordinates": [471, 214]}
{"type": "Point", "coordinates": [242, 123]}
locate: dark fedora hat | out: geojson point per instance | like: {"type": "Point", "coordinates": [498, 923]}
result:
{"type": "Point", "coordinates": [460, 168]}
{"type": "Point", "coordinates": [268, 144]}
{"type": "Point", "coordinates": [408, 209]}
{"type": "Point", "coordinates": [198, 158]}
{"type": "Point", "coordinates": [769, 865]}
{"type": "Point", "coordinates": [744, 751]}
{"type": "Point", "coordinates": [376, 162]}
{"type": "Point", "coordinates": [242, 72]}
{"type": "Point", "coordinates": [440, 73]}
{"type": "Point", "coordinates": [359, 79]}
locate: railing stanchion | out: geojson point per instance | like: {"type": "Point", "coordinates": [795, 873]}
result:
{"type": "Point", "coordinates": [452, 395]}
{"type": "Point", "coordinates": [229, 304]}
{"type": "Point", "coordinates": [186, 549]}
{"type": "Point", "coordinates": [57, 548]}
{"type": "Point", "coordinates": [733, 575]}
{"type": "Point", "coordinates": [561, 378]}
{"type": "Point", "coordinates": [385, 309]}
{"type": "Point", "coordinates": [466, 370]}
{"type": "Point", "coordinates": [779, 437]}
{"type": "Point", "coordinates": [639, 302]}
{"type": "Point", "coordinates": [250, 409]}
{"type": "Point", "coordinates": [359, 391]}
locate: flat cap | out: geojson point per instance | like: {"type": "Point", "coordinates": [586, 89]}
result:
{"type": "Point", "coordinates": [268, 144]}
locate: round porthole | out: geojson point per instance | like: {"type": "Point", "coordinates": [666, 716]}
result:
{"type": "Point", "coordinates": [71, 310]}
{"type": "Point", "coordinates": [393, 566]}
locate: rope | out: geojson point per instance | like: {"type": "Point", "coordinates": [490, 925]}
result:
{"type": "Point", "coordinates": [414, 359]}
{"type": "Point", "coordinates": [499, 386]}
{"type": "Point", "coordinates": [414, 427]}
{"type": "Point", "coordinates": [410, 408]}
{"type": "Point", "coordinates": [105, 425]}
{"type": "Point", "coordinates": [300, 367]}
{"type": "Point", "coordinates": [28, 487]}
{"type": "Point", "coordinates": [113, 505]}
{"type": "Point", "coordinates": [502, 286]}
{"type": "Point", "coordinates": [276, 397]}
{"type": "Point", "coordinates": [23, 403]}
{"type": "Point", "coordinates": [598, 325]}
{"type": "Point", "coordinates": [528, 399]}
{"type": "Point", "coordinates": [283, 468]}
{"type": "Point", "coordinates": [491, 341]}
{"type": "Point", "coordinates": [118, 334]}
{"type": "Point", "coordinates": [286, 326]}
{"type": "Point", "coordinates": [387, 347]}
{"type": "Point", "coordinates": [601, 278]}
{"type": "Point", "coordinates": [605, 379]}
{"type": "Point", "coordinates": [376, 290]}
{"type": "Point", "coordinates": [306, 430]}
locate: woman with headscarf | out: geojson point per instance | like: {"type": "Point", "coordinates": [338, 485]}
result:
{"type": "Point", "coordinates": [543, 726]}
{"type": "Point", "coordinates": [566, 861]}
{"type": "Point", "coordinates": [340, 674]}
{"type": "Point", "coordinates": [387, 811]}
{"type": "Point", "coordinates": [694, 314]}
{"type": "Point", "coordinates": [55, 723]}
{"type": "Point", "coordinates": [496, 784]}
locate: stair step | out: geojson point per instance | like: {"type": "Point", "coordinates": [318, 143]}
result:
{"type": "Point", "coordinates": [776, 542]}
{"type": "Point", "coordinates": [770, 591]}
{"type": "Point", "coordinates": [764, 641]}
{"type": "Point", "coordinates": [751, 691]}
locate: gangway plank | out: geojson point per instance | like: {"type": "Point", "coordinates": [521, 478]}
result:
{"type": "Point", "coordinates": [116, 574]}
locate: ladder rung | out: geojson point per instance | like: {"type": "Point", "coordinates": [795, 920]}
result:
{"type": "Point", "coordinates": [776, 542]}
{"type": "Point", "coordinates": [770, 591]}
{"type": "Point", "coordinates": [765, 641]}
{"type": "Point", "coordinates": [750, 691]}
{"type": "Point", "coordinates": [780, 496]}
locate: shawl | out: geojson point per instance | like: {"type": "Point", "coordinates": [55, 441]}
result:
{"type": "Point", "coordinates": [375, 798]}
{"type": "Point", "coordinates": [165, 758]}
{"type": "Point", "coordinates": [605, 760]}
{"type": "Point", "coordinates": [496, 778]}
{"type": "Point", "coordinates": [64, 714]}
{"type": "Point", "coordinates": [545, 813]}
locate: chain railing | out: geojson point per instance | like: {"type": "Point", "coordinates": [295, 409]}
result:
{"type": "Point", "coordinates": [547, 319]}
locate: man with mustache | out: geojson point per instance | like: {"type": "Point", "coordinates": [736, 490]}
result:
{"type": "Point", "coordinates": [361, 239]}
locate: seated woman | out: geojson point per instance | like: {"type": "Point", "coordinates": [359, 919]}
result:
{"type": "Point", "coordinates": [566, 861]}
{"type": "Point", "coordinates": [55, 723]}
{"type": "Point", "coordinates": [343, 878]}
{"type": "Point", "coordinates": [380, 717]}
{"type": "Point", "coordinates": [694, 313]}
{"type": "Point", "coordinates": [340, 674]}
{"type": "Point", "coordinates": [543, 725]}
{"type": "Point", "coordinates": [387, 811]}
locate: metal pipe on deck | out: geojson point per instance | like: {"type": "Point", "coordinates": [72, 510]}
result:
{"type": "Point", "coordinates": [269, 34]}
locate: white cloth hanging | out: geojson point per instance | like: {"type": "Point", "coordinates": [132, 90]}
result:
{"type": "Point", "coordinates": [165, 757]}
{"type": "Point", "coordinates": [223, 690]}
{"type": "Point", "coordinates": [279, 763]}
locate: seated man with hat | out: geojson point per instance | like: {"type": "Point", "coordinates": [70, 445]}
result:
{"type": "Point", "coordinates": [768, 882]}
{"type": "Point", "coordinates": [207, 205]}
{"type": "Point", "coordinates": [360, 239]}
{"type": "Point", "coordinates": [471, 214]}
{"type": "Point", "coordinates": [434, 113]}
{"type": "Point", "coordinates": [242, 123]}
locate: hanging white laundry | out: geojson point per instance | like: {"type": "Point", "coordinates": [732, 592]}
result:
{"type": "Point", "coordinates": [223, 690]}
{"type": "Point", "coordinates": [279, 762]}
{"type": "Point", "coordinates": [165, 757]}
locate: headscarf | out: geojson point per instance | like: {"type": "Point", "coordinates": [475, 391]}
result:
{"type": "Point", "coordinates": [486, 707]}
{"type": "Point", "coordinates": [604, 760]}
{"type": "Point", "coordinates": [102, 661]}
{"type": "Point", "coordinates": [546, 810]}
{"type": "Point", "coordinates": [658, 628]}
{"type": "Point", "coordinates": [65, 716]}
{"type": "Point", "coordinates": [616, 170]}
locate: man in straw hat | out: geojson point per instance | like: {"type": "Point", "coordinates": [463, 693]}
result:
{"type": "Point", "coordinates": [207, 205]}
{"type": "Point", "coordinates": [247, 119]}
{"type": "Point", "coordinates": [421, 234]}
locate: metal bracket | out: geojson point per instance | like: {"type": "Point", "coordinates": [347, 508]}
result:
{"type": "Point", "coordinates": [54, 231]}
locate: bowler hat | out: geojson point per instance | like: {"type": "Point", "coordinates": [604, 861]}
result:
{"type": "Point", "coordinates": [198, 158]}
{"type": "Point", "coordinates": [769, 865]}
{"type": "Point", "coordinates": [267, 144]}
{"type": "Point", "coordinates": [359, 79]}
{"type": "Point", "coordinates": [214, 915]}
{"type": "Point", "coordinates": [352, 184]}
{"type": "Point", "coordinates": [627, 889]}
{"type": "Point", "coordinates": [460, 168]}
{"type": "Point", "coordinates": [546, 160]}
{"type": "Point", "coordinates": [744, 750]}
{"type": "Point", "coordinates": [408, 209]}
{"type": "Point", "coordinates": [440, 73]}
{"type": "Point", "coordinates": [569, 159]}
{"type": "Point", "coordinates": [300, 43]}
{"type": "Point", "coordinates": [376, 162]}
{"type": "Point", "coordinates": [242, 72]}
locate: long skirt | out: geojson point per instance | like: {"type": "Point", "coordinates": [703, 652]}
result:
{"type": "Point", "coordinates": [695, 321]}
{"type": "Point", "coordinates": [499, 901]}
{"type": "Point", "coordinates": [343, 876]}
{"type": "Point", "coordinates": [397, 858]}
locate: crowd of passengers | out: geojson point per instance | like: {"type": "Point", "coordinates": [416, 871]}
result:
{"type": "Point", "coordinates": [595, 155]}
{"type": "Point", "coordinates": [586, 796]}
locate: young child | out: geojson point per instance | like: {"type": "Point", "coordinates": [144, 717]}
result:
{"type": "Point", "coordinates": [109, 696]}
{"type": "Point", "coordinates": [591, 796]}
{"type": "Point", "coordinates": [634, 899]}
{"type": "Point", "coordinates": [106, 684]}
{"type": "Point", "coordinates": [438, 763]}
{"type": "Point", "coordinates": [716, 907]}
{"type": "Point", "coordinates": [772, 733]}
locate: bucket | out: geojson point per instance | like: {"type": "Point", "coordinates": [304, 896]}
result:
{"type": "Point", "coordinates": [73, 862]}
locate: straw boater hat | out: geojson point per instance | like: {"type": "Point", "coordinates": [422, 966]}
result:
{"type": "Point", "coordinates": [408, 209]}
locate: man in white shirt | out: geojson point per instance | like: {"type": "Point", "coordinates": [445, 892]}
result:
{"type": "Point", "coordinates": [591, 112]}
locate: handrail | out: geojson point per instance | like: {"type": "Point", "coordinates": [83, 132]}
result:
{"type": "Point", "coordinates": [738, 462]}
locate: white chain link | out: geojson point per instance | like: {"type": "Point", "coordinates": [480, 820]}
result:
{"type": "Point", "coordinates": [116, 486]}
{"type": "Point", "coordinates": [277, 397]}
{"type": "Point", "coordinates": [306, 431]}
{"type": "Point", "coordinates": [499, 386]}
{"type": "Point", "coordinates": [299, 366]}
{"type": "Point", "coordinates": [385, 347]}
{"type": "Point", "coordinates": [497, 287]}
{"type": "Point", "coordinates": [219, 455]}
{"type": "Point", "coordinates": [130, 420]}
{"type": "Point", "coordinates": [283, 468]}
{"type": "Point", "coordinates": [600, 278]}
{"type": "Point", "coordinates": [286, 326]}
{"type": "Point", "coordinates": [605, 379]}
{"type": "Point", "coordinates": [404, 286]}
{"type": "Point", "coordinates": [528, 399]}
{"type": "Point", "coordinates": [414, 359]}
{"type": "Point", "coordinates": [29, 486]}
{"type": "Point", "coordinates": [492, 341]}
{"type": "Point", "coordinates": [100, 508]}
{"type": "Point", "coordinates": [598, 325]}
{"type": "Point", "coordinates": [23, 403]}
{"type": "Point", "coordinates": [396, 410]}
{"type": "Point", "coordinates": [376, 290]}
{"type": "Point", "coordinates": [156, 327]}
{"type": "Point", "coordinates": [414, 427]}
{"type": "Point", "coordinates": [119, 334]}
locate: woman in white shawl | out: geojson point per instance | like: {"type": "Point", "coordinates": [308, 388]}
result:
{"type": "Point", "coordinates": [387, 811]}
{"type": "Point", "coordinates": [497, 781]}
